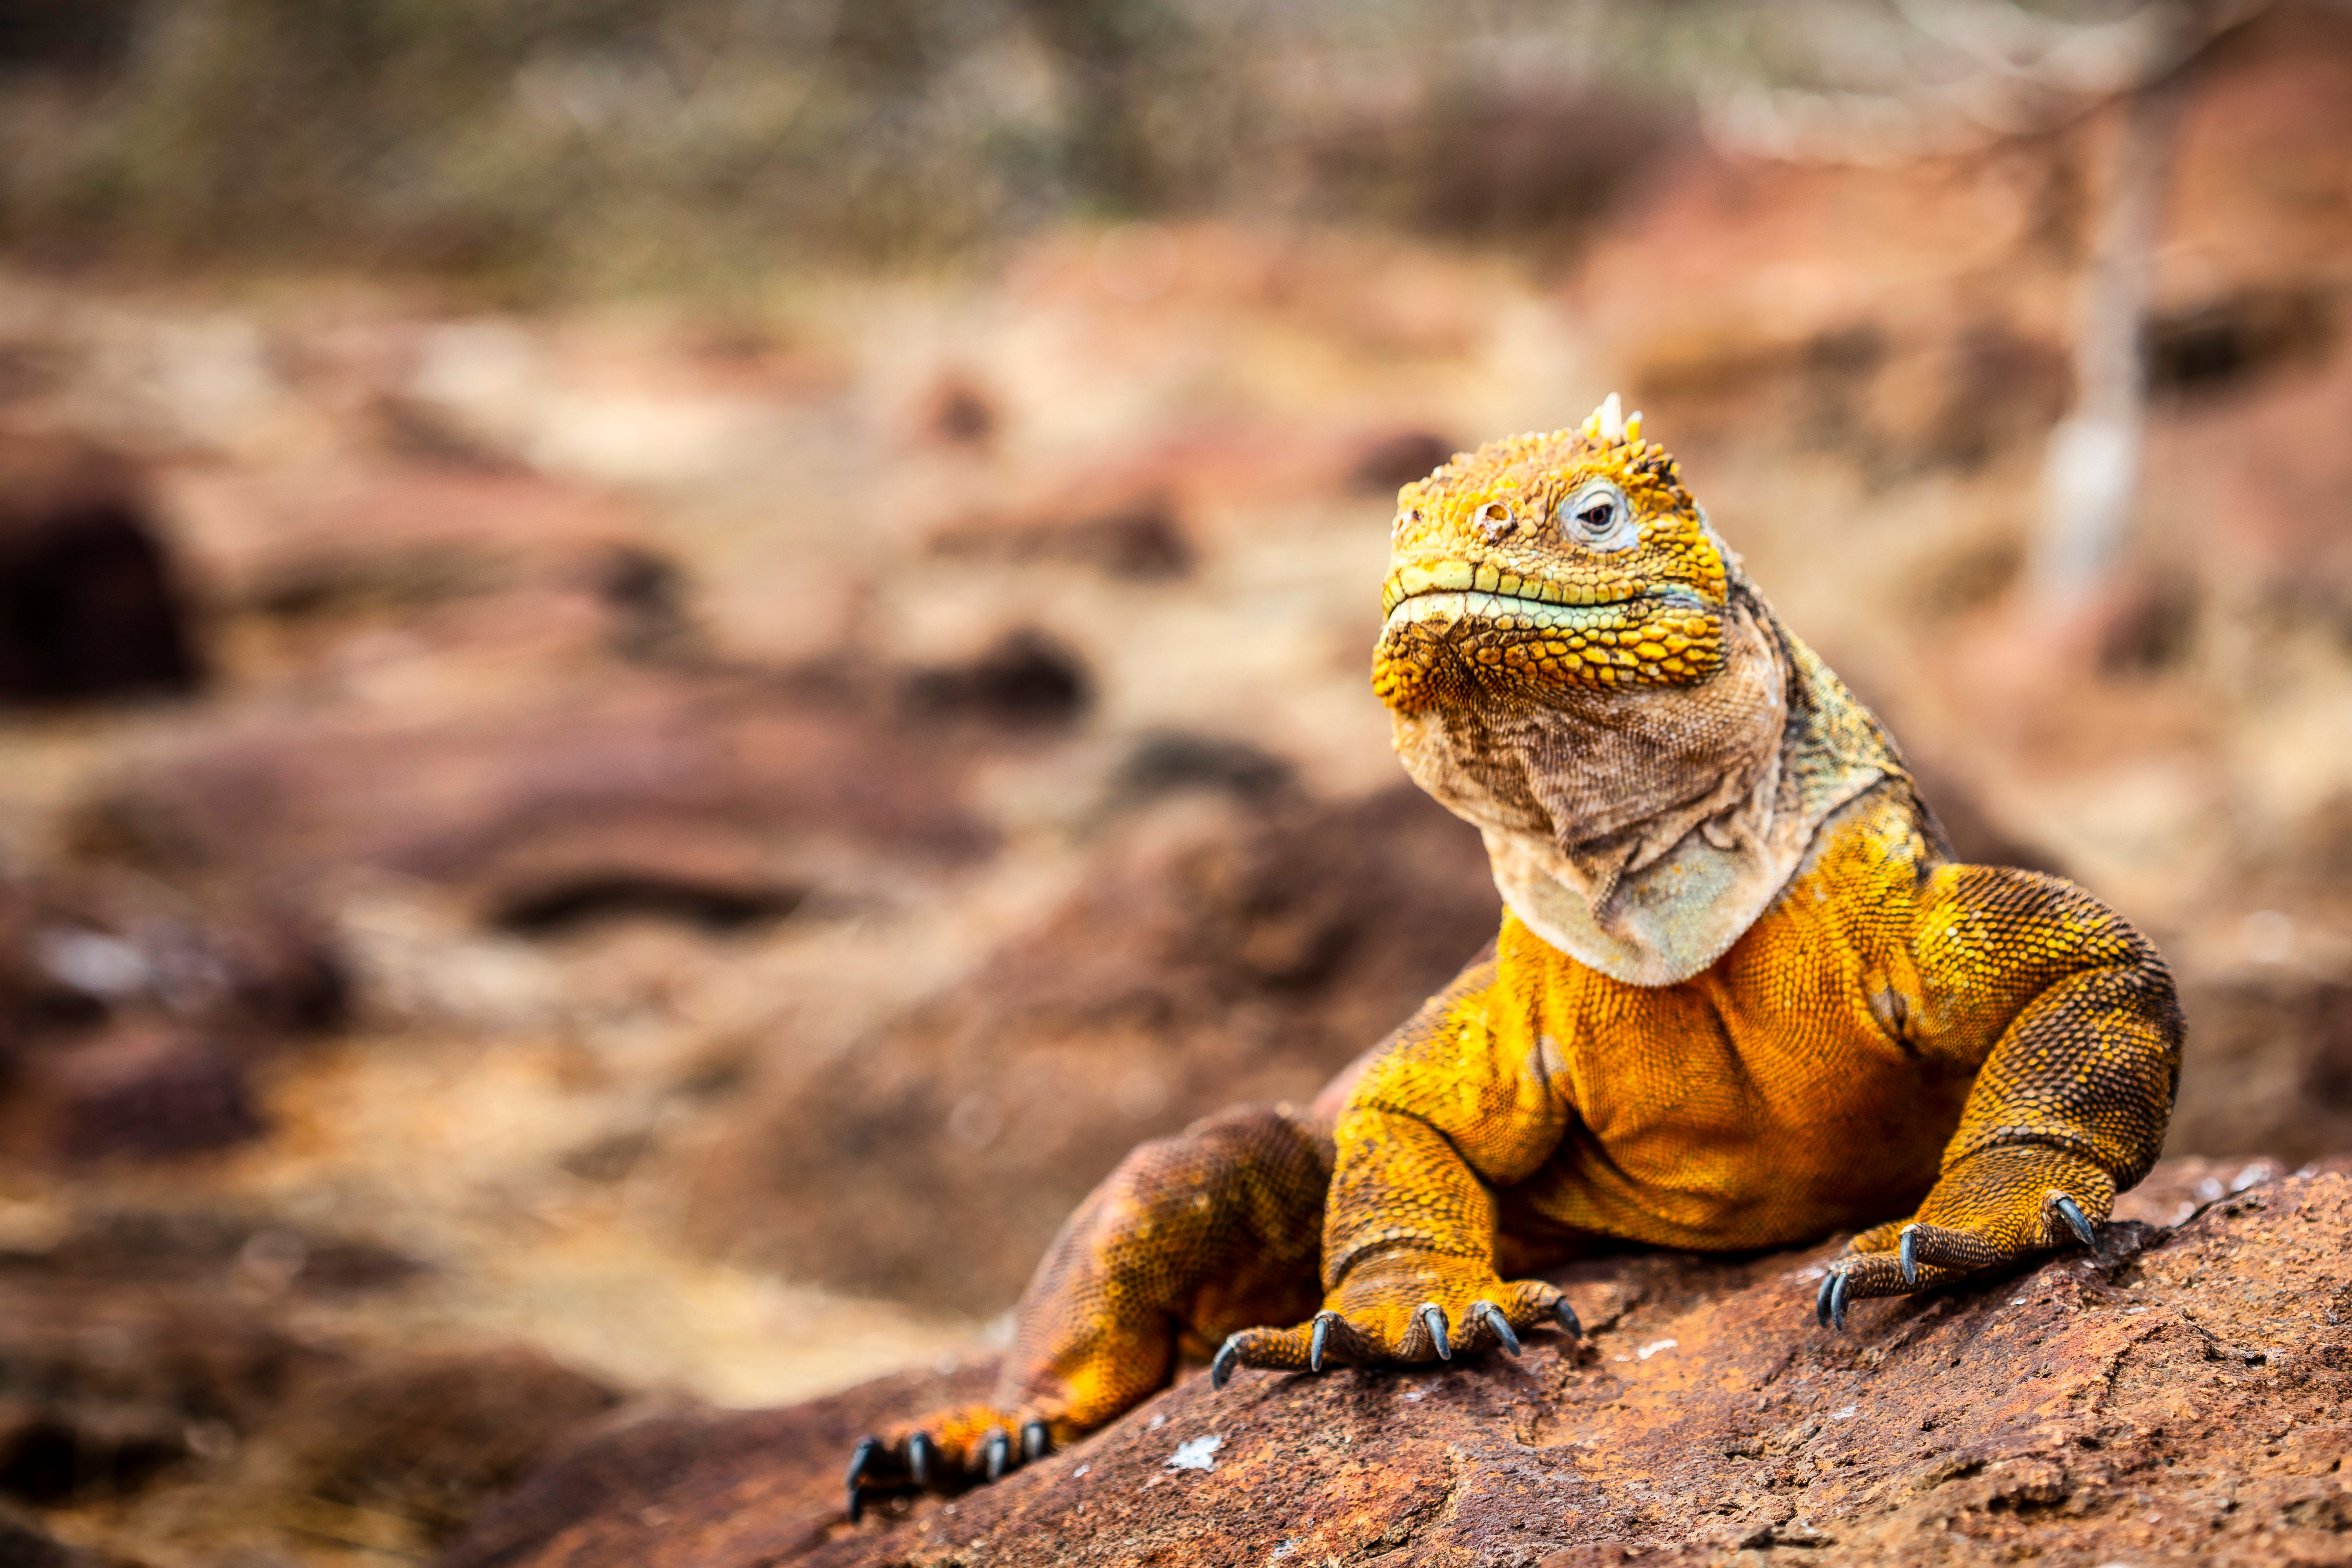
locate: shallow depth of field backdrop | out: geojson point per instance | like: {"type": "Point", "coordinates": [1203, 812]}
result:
{"type": "Point", "coordinates": [665, 665]}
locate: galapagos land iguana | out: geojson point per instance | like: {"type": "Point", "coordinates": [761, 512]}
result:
{"type": "Point", "coordinates": [1743, 996]}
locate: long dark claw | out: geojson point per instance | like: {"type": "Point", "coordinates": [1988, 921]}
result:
{"type": "Point", "coordinates": [1317, 1337]}
{"type": "Point", "coordinates": [918, 1459]}
{"type": "Point", "coordinates": [1499, 1322]}
{"type": "Point", "coordinates": [1432, 1317]}
{"type": "Point", "coordinates": [998, 1452]}
{"type": "Point", "coordinates": [1822, 1301]}
{"type": "Point", "coordinates": [2080, 1224]}
{"type": "Point", "coordinates": [1228, 1356]}
{"type": "Point", "coordinates": [862, 1455]}
{"type": "Point", "coordinates": [1032, 1442]}
{"type": "Point", "coordinates": [1910, 1256]}
{"type": "Point", "coordinates": [1837, 1302]}
{"type": "Point", "coordinates": [1565, 1315]}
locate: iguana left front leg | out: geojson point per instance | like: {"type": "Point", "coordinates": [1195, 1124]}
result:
{"type": "Point", "coordinates": [2074, 1018]}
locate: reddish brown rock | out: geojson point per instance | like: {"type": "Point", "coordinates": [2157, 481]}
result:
{"type": "Point", "coordinates": [2184, 1403]}
{"type": "Point", "coordinates": [141, 1090]}
{"type": "Point", "coordinates": [91, 605]}
{"type": "Point", "coordinates": [178, 1358]}
{"type": "Point", "coordinates": [129, 1014]}
{"type": "Point", "coordinates": [427, 1437]}
{"type": "Point", "coordinates": [1241, 955]}
{"type": "Point", "coordinates": [732, 787]}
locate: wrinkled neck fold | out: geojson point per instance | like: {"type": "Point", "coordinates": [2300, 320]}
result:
{"type": "Point", "coordinates": [1643, 831]}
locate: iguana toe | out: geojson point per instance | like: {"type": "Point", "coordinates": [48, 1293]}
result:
{"type": "Point", "coordinates": [1488, 1314]}
{"type": "Point", "coordinates": [1431, 1319]}
{"type": "Point", "coordinates": [1319, 1337]}
{"type": "Point", "coordinates": [1033, 1440]}
{"type": "Point", "coordinates": [861, 1460]}
{"type": "Point", "coordinates": [997, 1450]}
{"type": "Point", "coordinates": [2080, 1224]}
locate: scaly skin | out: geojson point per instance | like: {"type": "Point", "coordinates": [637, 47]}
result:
{"type": "Point", "coordinates": [1962, 1063]}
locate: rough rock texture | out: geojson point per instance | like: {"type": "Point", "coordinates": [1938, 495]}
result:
{"type": "Point", "coordinates": [2182, 1404]}
{"type": "Point", "coordinates": [1221, 961]}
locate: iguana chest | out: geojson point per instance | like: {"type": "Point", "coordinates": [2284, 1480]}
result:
{"type": "Point", "coordinates": [1769, 1099]}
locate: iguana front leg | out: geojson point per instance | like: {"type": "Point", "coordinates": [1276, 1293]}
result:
{"type": "Point", "coordinates": [1462, 1103]}
{"type": "Point", "coordinates": [1191, 1236]}
{"type": "Point", "coordinates": [2074, 1019]}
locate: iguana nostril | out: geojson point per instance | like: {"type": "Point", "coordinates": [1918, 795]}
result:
{"type": "Point", "coordinates": [1494, 520]}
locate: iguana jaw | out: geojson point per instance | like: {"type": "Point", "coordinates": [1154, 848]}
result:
{"type": "Point", "coordinates": [1442, 576]}
{"type": "Point", "coordinates": [1478, 648]}
{"type": "Point", "coordinates": [1656, 639]}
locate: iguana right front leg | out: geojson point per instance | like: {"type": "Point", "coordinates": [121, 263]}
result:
{"type": "Point", "coordinates": [1191, 1238]}
{"type": "Point", "coordinates": [1460, 1107]}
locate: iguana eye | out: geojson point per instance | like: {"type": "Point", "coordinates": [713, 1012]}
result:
{"type": "Point", "coordinates": [1598, 517]}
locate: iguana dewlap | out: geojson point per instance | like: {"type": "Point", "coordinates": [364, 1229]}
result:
{"type": "Point", "coordinates": [1742, 996]}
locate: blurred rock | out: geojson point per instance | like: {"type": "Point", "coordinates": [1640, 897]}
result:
{"type": "Point", "coordinates": [141, 1089]}
{"type": "Point", "coordinates": [758, 1483]}
{"type": "Point", "coordinates": [1025, 678]}
{"type": "Point", "coordinates": [131, 1014]}
{"type": "Point", "coordinates": [309, 543]}
{"type": "Point", "coordinates": [2270, 1067]}
{"type": "Point", "coordinates": [101, 1386]}
{"type": "Point", "coordinates": [956, 410]}
{"type": "Point", "coordinates": [24, 1545]}
{"type": "Point", "coordinates": [2214, 344]}
{"type": "Point", "coordinates": [1389, 462]}
{"type": "Point", "coordinates": [1224, 952]}
{"type": "Point", "coordinates": [1170, 762]}
{"type": "Point", "coordinates": [91, 604]}
{"type": "Point", "coordinates": [427, 1439]}
{"type": "Point", "coordinates": [144, 1349]}
{"type": "Point", "coordinates": [1137, 534]}
{"type": "Point", "coordinates": [704, 791]}
{"type": "Point", "coordinates": [2071, 1413]}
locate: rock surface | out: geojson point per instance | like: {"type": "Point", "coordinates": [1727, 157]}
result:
{"type": "Point", "coordinates": [2185, 1403]}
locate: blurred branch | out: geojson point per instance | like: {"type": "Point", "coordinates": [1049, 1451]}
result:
{"type": "Point", "coordinates": [2091, 474]}
{"type": "Point", "coordinates": [2020, 72]}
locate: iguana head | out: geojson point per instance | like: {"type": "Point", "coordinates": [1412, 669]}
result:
{"type": "Point", "coordinates": [1573, 662]}
{"type": "Point", "coordinates": [1542, 565]}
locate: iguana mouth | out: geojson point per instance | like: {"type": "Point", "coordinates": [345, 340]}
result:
{"type": "Point", "coordinates": [1520, 612]}
{"type": "Point", "coordinates": [1470, 577]}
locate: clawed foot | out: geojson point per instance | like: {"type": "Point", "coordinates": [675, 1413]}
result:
{"type": "Point", "coordinates": [1896, 1260]}
{"type": "Point", "coordinates": [1396, 1309]}
{"type": "Point", "coordinates": [946, 1453]}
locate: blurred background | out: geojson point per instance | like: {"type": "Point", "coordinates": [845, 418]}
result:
{"type": "Point", "coordinates": [667, 665]}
